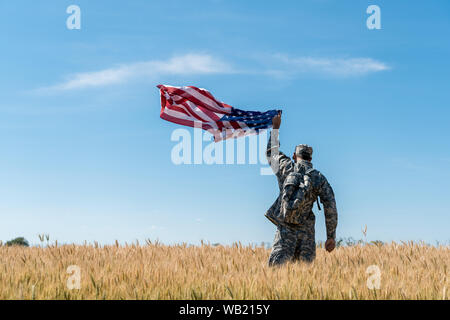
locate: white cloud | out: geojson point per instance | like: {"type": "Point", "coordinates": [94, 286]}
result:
{"type": "Point", "coordinates": [182, 65]}
{"type": "Point", "coordinates": [202, 64]}
{"type": "Point", "coordinates": [341, 67]}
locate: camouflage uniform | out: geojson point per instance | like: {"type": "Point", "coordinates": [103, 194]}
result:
{"type": "Point", "coordinates": [296, 241]}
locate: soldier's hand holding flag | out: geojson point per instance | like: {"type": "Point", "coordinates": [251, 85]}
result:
{"type": "Point", "coordinates": [276, 121]}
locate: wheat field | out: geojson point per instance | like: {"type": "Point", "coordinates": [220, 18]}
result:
{"type": "Point", "coordinates": [156, 271]}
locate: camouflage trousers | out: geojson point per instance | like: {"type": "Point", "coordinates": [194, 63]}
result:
{"type": "Point", "coordinates": [294, 244]}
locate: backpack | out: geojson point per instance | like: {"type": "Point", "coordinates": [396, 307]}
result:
{"type": "Point", "coordinates": [297, 190]}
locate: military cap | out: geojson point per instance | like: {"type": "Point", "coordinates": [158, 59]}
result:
{"type": "Point", "coordinates": [303, 148]}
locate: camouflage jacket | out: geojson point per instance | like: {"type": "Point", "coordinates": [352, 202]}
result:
{"type": "Point", "coordinates": [282, 165]}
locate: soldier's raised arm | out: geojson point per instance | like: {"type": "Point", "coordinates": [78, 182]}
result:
{"type": "Point", "coordinates": [329, 205]}
{"type": "Point", "coordinates": [279, 162]}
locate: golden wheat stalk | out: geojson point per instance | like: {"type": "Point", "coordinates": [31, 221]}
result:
{"type": "Point", "coordinates": [155, 271]}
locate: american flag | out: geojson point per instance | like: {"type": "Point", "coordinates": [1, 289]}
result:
{"type": "Point", "coordinates": [195, 107]}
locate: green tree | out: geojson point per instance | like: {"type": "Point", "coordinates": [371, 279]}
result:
{"type": "Point", "coordinates": [20, 241]}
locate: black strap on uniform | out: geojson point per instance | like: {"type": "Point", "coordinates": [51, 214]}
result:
{"type": "Point", "coordinates": [308, 171]}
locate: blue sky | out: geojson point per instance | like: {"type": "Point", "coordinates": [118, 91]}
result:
{"type": "Point", "coordinates": [85, 156]}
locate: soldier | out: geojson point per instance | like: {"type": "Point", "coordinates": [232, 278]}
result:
{"type": "Point", "coordinates": [295, 237]}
